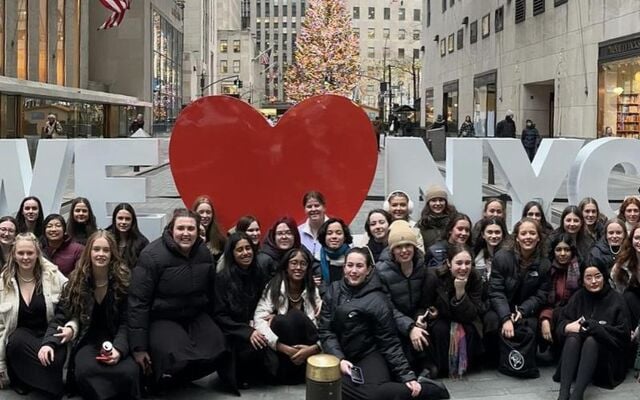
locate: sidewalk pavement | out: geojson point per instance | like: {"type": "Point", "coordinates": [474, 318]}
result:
{"type": "Point", "coordinates": [487, 385]}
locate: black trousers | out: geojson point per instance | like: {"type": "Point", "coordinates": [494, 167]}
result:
{"type": "Point", "coordinates": [25, 368]}
{"type": "Point", "coordinates": [379, 384]}
{"type": "Point", "coordinates": [292, 329]}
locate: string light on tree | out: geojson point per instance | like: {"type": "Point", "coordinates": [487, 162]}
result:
{"type": "Point", "coordinates": [326, 59]}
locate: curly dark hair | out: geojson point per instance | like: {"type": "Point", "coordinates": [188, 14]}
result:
{"type": "Point", "coordinates": [81, 282]}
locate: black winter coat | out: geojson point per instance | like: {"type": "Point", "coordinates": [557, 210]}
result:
{"type": "Point", "coordinates": [441, 294]}
{"type": "Point", "coordinates": [356, 321]}
{"type": "Point", "coordinates": [405, 293]}
{"type": "Point", "coordinates": [269, 258]}
{"type": "Point", "coordinates": [602, 256]}
{"type": "Point", "coordinates": [166, 284]}
{"type": "Point", "coordinates": [436, 254]}
{"type": "Point", "coordinates": [607, 321]}
{"type": "Point", "coordinates": [510, 286]}
{"type": "Point", "coordinates": [237, 294]}
{"type": "Point", "coordinates": [432, 227]}
{"type": "Point", "coordinates": [506, 128]}
{"type": "Point", "coordinates": [530, 138]}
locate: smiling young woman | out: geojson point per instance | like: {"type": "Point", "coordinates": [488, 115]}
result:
{"type": "Point", "coordinates": [57, 246]}
{"type": "Point", "coordinates": [29, 216]}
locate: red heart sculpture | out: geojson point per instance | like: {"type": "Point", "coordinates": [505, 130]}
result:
{"type": "Point", "coordinates": [224, 148]}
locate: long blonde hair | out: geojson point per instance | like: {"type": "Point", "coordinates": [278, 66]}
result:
{"type": "Point", "coordinates": [11, 267]}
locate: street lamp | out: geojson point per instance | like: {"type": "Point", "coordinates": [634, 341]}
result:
{"type": "Point", "coordinates": [203, 77]}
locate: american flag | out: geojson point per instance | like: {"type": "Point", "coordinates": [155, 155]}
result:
{"type": "Point", "coordinates": [265, 57]}
{"type": "Point", "coordinates": [118, 8]}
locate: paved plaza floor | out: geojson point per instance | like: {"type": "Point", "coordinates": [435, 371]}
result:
{"type": "Point", "coordinates": [487, 385]}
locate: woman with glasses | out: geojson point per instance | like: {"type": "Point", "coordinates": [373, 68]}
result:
{"type": "Point", "coordinates": [8, 229]}
{"type": "Point", "coordinates": [595, 333]}
{"type": "Point", "coordinates": [57, 246]}
{"type": "Point", "coordinates": [286, 316]}
{"type": "Point", "coordinates": [282, 236]}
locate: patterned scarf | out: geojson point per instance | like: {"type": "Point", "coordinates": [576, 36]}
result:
{"type": "Point", "coordinates": [458, 359]}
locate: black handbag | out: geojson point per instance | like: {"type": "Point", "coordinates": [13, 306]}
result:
{"type": "Point", "coordinates": [518, 354]}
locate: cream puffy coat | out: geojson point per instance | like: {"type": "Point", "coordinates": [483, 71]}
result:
{"type": "Point", "coordinates": [52, 283]}
{"type": "Point", "coordinates": [266, 307]}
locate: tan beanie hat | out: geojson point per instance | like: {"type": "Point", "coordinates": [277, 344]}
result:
{"type": "Point", "coordinates": [434, 192]}
{"type": "Point", "coordinates": [400, 232]}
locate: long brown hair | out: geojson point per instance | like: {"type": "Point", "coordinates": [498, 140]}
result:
{"type": "Point", "coordinates": [628, 257]}
{"type": "Point", "coordinates": [215, 237]}
{"type": "Point", "coordinates": [81, 281]}
{"type": "Point", "coordinates": [629, 200]}
{"type": "Point", "coordinates": [11, 267]}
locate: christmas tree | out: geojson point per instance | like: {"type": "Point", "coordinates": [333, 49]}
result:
{"type": "Point", "coordinates": [326, 59]}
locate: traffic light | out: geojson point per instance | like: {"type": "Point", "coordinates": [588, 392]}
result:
{"type": "Point", "coordinates": [238, 83]}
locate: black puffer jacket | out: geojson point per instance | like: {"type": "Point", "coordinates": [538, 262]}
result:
{"type": "Point", "coordinates": [602, 256]}
{"type": "Point", "coordinates": [169, 285]}
{"type": "Point", "coordinates": [405, 293]}
{"type": "Point", "coordinates": [356, 321]}
{"type": "Point", "coordinates": [268, 259]}
{"type": "Point", "coordinates": [512, 286]}
{"type": "Point", "coordinates": [441, 294]}
{"type": "Point", "coordinates": [436, 254]}
{"type": "Point", "coordinates": [606, 320]}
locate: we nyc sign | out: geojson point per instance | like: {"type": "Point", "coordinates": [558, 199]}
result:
{"type": "Point", "coordinates": [88, 159]}
{"type": "Point", "coordinates": [410, 167]}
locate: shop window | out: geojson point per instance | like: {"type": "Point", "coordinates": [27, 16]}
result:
{"type": "Point", "coordinates": [356, 32]}
{"type": "Point", "coordinates": [473, 32]}
{"type": "Point", "coordinates": [416, 34]}
{"type": "Point", "coordinates": [444, 5]}
{"type": "Point", "coordinates": [371, 33]}
{"type": "Point", "coordinates": [22, 40]}
{"type": "Point", "coordinates": [236, 66]}
{"type": "Point", "coordinates": [402, 34]}
{"type": "Point", "coordinates": [450, 105]}
{"type": "Point", "coordinates": [520, 11]}
{"type": "Point", "coordinates": [499, 21]}
{"type": "Point", "coordinates": [224, 66]}
{"type": "Point", "coordinates": [428, 13]}
{"type": "Point", "coordinates": [386, 32]}
{"type": "Point", "coordinates": [428, 106]}
{"type": "Point", "coordinates": [538, 7]}
{"type": "Point", "coordinates": [450, 43]}
{"type": "Point", "coordinates": [484, 104]}
{"type": "Point", "coordinates": [416, 14]}
{"type": "Point", "coordinates": [224, 46]}
{"type": "Point", "coordinates": [371, 52]}
{"type": "Point", "coordinates": [401, 53]}
{"type": "Point", "coordinates": [416, 54]}
{"type": "Point", "coordinates": [619, 98]}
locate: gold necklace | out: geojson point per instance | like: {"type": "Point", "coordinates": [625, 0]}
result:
{"type": "Point", "coordinates": [25, 280]}
{"type": "Point", "coordinates": [291, 299]}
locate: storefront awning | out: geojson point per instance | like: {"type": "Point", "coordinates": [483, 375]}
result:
{"type": "Point", "coordinates": [47, 90]}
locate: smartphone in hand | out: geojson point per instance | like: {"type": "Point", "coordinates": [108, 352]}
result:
{"type": "Point", "coordinates": [356, 375]}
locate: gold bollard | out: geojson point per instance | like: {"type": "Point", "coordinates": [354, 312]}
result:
{"type": "Point", "coordinates": [324, 379]}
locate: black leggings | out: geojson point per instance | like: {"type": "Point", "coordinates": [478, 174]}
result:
{"type": "Point", "coordinates": [293, 328]}
{"type": "Point", "coordinates": [579, 361]}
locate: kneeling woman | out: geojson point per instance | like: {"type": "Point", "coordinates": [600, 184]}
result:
{"type": "Point", "coordinates": [171, 303]}
{"type": "Point", "coordinates": [595, 332]}
{"type": "Point", "coordinates": [457, 299]}
{"type": "Point", "coordinates": [357, 326]}
{"type": "Point", "coordinates": [96, 297]}
{"type": "Point", "coordinates": [30, 287]}
{"type": "Point", "coordinates": [286, 316]}
{"type": "Point", "coordinates": [238, 289]}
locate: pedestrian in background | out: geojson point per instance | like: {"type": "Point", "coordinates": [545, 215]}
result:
{"type": "Point", "coordinates": [530, 139]}
{"type": "Point", "coordinates": [506, 127]}
{"type": "Point", "coordinates": [467, 129]}
{"type": "Point", "coordinates": [137, 123]}
{"type": "Point", "coordinates": [52, 128]}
